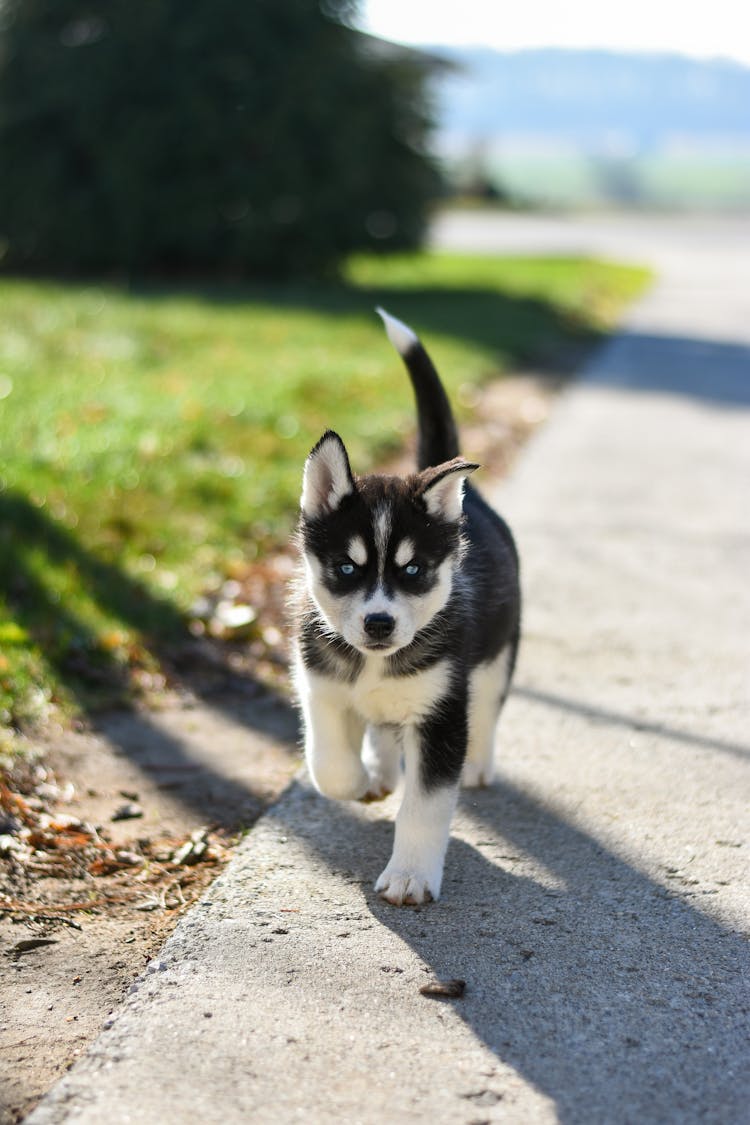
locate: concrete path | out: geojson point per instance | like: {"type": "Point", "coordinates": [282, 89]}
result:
{"type": "Point", "coordinates": [596, 897]}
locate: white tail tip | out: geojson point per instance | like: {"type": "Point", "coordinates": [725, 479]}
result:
{"type": "Point", "coordinates": [400, 335]}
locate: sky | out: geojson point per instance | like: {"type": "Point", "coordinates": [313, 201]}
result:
{"type": "Point", "coordinates": [719, 28]}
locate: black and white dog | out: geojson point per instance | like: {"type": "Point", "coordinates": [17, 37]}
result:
{"type": "Point", "coordinates": [408, 629]}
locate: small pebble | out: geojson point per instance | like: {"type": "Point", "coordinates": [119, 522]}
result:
{"type": "Point", "coordinates": [130, 811]}
{"type": "Point", "coordinates": [444, 989]}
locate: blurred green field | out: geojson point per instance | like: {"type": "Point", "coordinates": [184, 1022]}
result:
{"type": "Point", "coordinates": [151, 438]}
{"type": "Point", "coordinates": [659, 180]}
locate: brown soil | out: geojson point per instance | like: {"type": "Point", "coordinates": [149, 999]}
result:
{"type": "Point", "coordinates": [86, 898]}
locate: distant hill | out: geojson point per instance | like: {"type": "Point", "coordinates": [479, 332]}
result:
{"type": "Point", "coordinates": [589, 95]}
{"type": "Point", "coordinates": [577, 127]}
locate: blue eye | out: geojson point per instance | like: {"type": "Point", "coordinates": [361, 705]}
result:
{"type": "Point", "coordinates": [412, 569]}
{"type": "Point", "coordinates": [347, 569]}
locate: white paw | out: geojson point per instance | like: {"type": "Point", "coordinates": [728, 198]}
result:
{"type": "Point", "coordinates": [476, 775]}
{"type": "Point", "coordinates": [346, 781]}
{"type": "Point", "coordinates": [407, 888]}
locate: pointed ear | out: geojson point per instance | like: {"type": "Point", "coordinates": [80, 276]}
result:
{"type": "Point", "coordinates": [327, 478]}
{"type": "Point", "coordinates": [443, 488]}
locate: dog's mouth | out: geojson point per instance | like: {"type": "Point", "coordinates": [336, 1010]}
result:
{"type": "Point", "coordinates": [387, 647]}
{"type": "Point", "coordinates": [376, 646]}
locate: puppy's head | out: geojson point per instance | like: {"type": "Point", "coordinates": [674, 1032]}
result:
{"type": "Point", "coordinates": [380, 553]}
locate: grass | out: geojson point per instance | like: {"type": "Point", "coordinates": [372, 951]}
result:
{"type": "Point", "coordinates": [151, 439]}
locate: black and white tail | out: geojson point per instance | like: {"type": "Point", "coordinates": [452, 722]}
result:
{"type": "Point", "coordinates": [437, 433]}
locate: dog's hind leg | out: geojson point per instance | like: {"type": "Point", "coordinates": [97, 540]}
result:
{"type": "Point", "coordinates": [488, 689]}
{"type": "Point", "coordinates": [381, 753]}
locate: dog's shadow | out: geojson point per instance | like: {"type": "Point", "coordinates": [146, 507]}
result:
{"type": "Point", "coordinates": [611, 996]}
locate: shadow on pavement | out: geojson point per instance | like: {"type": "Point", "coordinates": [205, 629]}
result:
{"type": "Point", "coordinates": [615, 998]}
{"type": "Point", "coordinates": [619, 718]}
{"type": "Point", "coordinates": [713, 371]}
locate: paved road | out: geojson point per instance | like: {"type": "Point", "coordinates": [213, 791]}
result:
{"type": "Point", "coordinates": [596, 898]}
{"type": "Point", "coordinates": [704, 262]}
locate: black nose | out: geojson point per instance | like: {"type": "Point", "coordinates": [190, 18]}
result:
{"type": "Point", "coordinates": [379, 625]}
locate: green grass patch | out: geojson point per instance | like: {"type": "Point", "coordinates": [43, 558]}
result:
{"type": "Point", "coordinates": [150, 438]}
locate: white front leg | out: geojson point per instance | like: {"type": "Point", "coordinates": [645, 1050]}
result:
{"type": "Point", "coordinates": [415, 871]}
{"type": "Point", "coordinates": [333, 741]}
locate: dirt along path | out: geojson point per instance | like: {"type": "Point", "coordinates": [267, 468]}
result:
{"type": "Point", "coordinates": [128, 824]}
{"type": "Point", "coordinates": [107, 834]}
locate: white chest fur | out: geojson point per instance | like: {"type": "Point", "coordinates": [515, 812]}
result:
{"type": "Point", "coordinates": [387, 699]}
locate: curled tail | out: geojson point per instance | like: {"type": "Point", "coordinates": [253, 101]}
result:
{"type": "Point", "coordinates": [438, 436]}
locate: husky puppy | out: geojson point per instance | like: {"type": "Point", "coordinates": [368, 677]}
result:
{"type": "Point", "coordinates": [407, 633]}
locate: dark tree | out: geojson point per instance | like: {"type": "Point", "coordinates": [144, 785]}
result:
{"type": "Point", "coordinates": [236, 137]}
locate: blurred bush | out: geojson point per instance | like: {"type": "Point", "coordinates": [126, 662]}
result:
{"type": "Point", "coordinates": [227, 137]}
